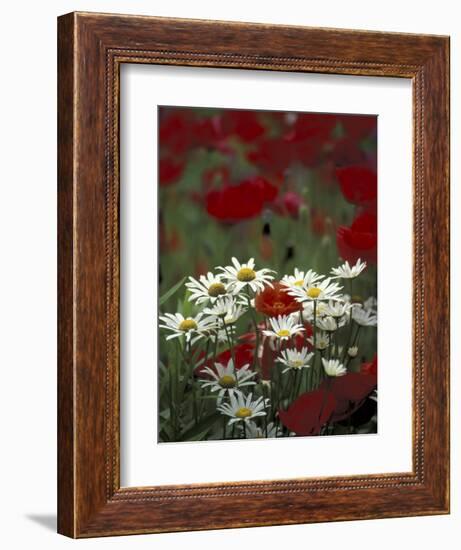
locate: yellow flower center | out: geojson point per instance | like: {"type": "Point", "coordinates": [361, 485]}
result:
{"type": "Point", "coordinates": [188, 324]}
{"type": "Point", "coordinates": [313, 292]}
{"type": "Point", "coordinates": [283, 332]}
{"type": "Point", "coordinates": [227, 381]}
{"type": "Point", "coordinates": [297, 363]}
{"type": "Point", "coordinates": [299, 283]}
{"type": "Point", "coordinates": [243, 412]}
{"type": "Point", "coordinates": [216, 289]}
{"type": "Point", "coordinates": [246, 274]}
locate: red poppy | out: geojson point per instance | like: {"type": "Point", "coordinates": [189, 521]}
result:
{"type": "Point", "coordinates": [276, 301]}
{"type": "Point", "coordinates": [169, 171]}
{"type": "Point", "coordinates": [175, 130]}
{"type": "Point", "coordinates": [360, 240]}
{"type": "Point", "coordinates": [349, 392]}
{"type": "Point", "coordinates": [272, 155]}
{"type": "Point", "coordinates": [370, 367]}
{"type": "Point", "coordinates": [309, 412]}
{"type": "Point", "coordinates": [207, 132]}
{"type": "Point", "coordinates": [243, 354]}
{"type": "Point", "coordinates": [358, 127]}
{"type": "Point", "coordinates": [246, 200]}
{"type": "Point", "coordinates": [311, 125]}
{"type": "Point", "coordinates": [245, 124]}
{"type": "Point", "coordinates": [358, 184]}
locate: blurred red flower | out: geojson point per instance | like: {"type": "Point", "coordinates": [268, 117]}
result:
{"type": "Point", "coordinates": [358, 184]}
{"type": "Point", "coordinates": [175, 130]}
{"type": "Point", "coordinates": [370, 367]}
{"type": "Point", "coordinates": [309, 412]}
{"type": "Point", "coordinates": [291, 203]}
{"type": "Point", "coordinates": [349, 392]}
{"type": "Point", "coordinates": [310, 126]}
{"type": "Point", "coordinates": [276, 301]}
{"type": "Point", "coordinates": [243, 356]}
{"type": "Point", "coordinates": [245, 124]}
{"type": "Point", "coordinates": [360, 239]}
{"type": "Point", "coordinates": [358, 127]}
{"type": "Point", "coordinates": [169, 171]}
{"type": "Point", "coordinates": [246, 200]}
{"type": "Point", "coordinates": [335, 400]}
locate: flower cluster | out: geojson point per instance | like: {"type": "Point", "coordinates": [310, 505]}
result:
{"type": "Point", "coordinates": [262, 354]}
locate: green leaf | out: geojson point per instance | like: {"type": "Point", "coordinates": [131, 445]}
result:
{"type": "Point", "coordinates": [198, 431]}
{"type": "Point", "coordinates": [169, 293]}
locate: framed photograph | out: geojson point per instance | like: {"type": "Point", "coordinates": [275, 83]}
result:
{"type": "Point", "coordinates": [249, 216]}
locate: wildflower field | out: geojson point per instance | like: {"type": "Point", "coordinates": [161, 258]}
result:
{"type": "Point", "coordinates": [268, 274]}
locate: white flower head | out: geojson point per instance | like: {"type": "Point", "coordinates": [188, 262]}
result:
{"type": "Point", "coordinates": [227, 379]}
{"type": "Point", "coordinates": [333, 367]}
{"type": "Point", "coordinates": [337, 309]}
{"type": "Point", "coordinates": [192, 328]}
{"type": "Point", "coordinates": [353, 351]}
{"type": "Point", "coordinates": [364, 317]}
{"type": "Point", "coordinates": [322, 290]}
{"type": "Point", "coordinates": [257, 432]}
{"type": "Point", "coordinates": [321, 308]}
{"type": "Point", "coordinates": [329, 324]}
{"type": "Point", "coordinates": [294, 359]}
{"type": "Point", "coordinates": [226, 309]}
{"type": "Point", "coordinates": [301, 279]}
{"type": "Point", "coordinates": [322, 340]}
{"type": "Point", "coordinates": [208, 288]}
{"type": "Point", "coordinates": [283, 327]}
{"type": "Point", "coordinates": [346, 271]}
{"type": "Point", "coordinates": [371, 303]}
{"type": "Point", "coordinates": [242, 408]}
{"type": "Point", "coordinates": [238, 276]}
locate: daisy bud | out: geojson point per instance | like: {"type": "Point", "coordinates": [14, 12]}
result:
{"type": "Point", "coordinates": [352, 351]}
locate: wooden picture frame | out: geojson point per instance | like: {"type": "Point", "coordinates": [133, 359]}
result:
{"type": "Point", "coordinates": [92, 48]}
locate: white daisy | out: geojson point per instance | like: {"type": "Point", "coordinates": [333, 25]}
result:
{"type": "Point", "coordinates": [333, 367]}
{"type": "Point", "coordinates": [329, 324]}
{"type": "Point", "coordinates": [244, 275]}
{"type": "Point", "coordinates": [322, 290]}
{"type": "Point", "coordinates": [227, 309]}
{"type": "Point", "coordinates": [227, 379]}
{"type": "Point", "coordinates": [294, 359]}
{"type": "Point", "coordinates": [322, 340]}
{"type": "Point", "coordinates": [337, 309]}
{"type": "Point", "coordinates": [193, 328]}
{"type": "Point", "coordinates": [374, 396]}
{"type": "Point", "coordinates": [259, 432]}
{"type": "Point", "coordinates": [321, 308]}
{"type": "Point", "coordinates": [283, 327]}
{"type": "Point", "coordinates": [207, 288]}
{"type": "Point", "coordinates": [364, 317]}
{"type": "Point", "coordinates": [371, 303]}
{"type": "Point", "coordinates": [242, 408]}
{"type": "Point", "coordinates": [346, 271]}
{"type": "Point", "coordinates": [301, 279]}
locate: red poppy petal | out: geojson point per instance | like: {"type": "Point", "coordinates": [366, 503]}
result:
{"type": "Point", "coordinates": [307, 414]}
